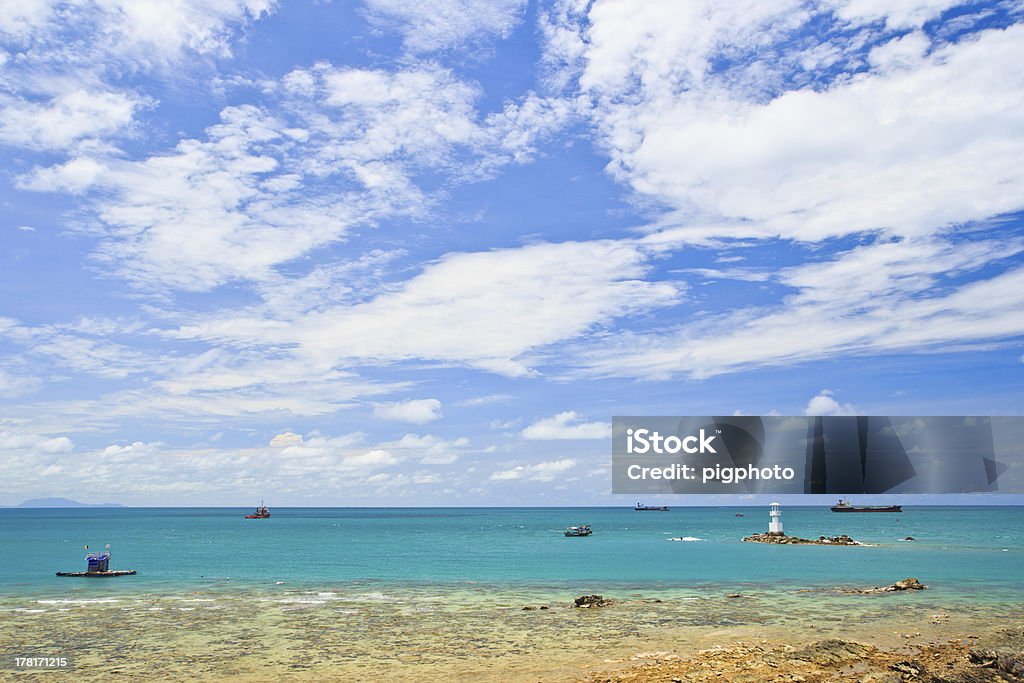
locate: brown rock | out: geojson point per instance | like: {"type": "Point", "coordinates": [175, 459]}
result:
{"type": "Point", "coordinates": [831, 651]}
{"type": "Point", "coordinates": [591, 601]}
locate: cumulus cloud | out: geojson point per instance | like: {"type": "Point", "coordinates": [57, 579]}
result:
{"type": "Point", "coordinates": [26, 444]}
{"type": "Point", "coordinates": [290, 465]}
{"type": "Point", "coordinates": [825, 404]}
{"type": "Point", "coordinates": [567, 425]}
{"type": "Point", "coordinates": [286, 439]}
{"type": "Point", "coordinates": [65, 119]}
{"type": "Point", "coordinates": [806, 162]}
{"type": "Point", "coordinates": [416, 411]}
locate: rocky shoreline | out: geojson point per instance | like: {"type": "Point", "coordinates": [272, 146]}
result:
{"type": "Point", "coordinates": [996, 659]}
{"type": "Point", "coordinates": [782, 539]}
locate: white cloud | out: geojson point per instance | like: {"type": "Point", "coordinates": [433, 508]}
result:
{"type": "Point", "coordinates": [286, 439]}
{"type": "Point", "coordinates": [202, 215]}
{"type": "Point", "coordinates": [62, 88]}
{"type": "Point", "coordinates": [484, 400]}
{"type": "Point", "coordinates": [343, 148]}
{"type": "Point", "coordinates": [928, 136]}
{"type": "Point", "coordinates": [447, 23]}
{"type": "Point", "coordinates": [825, 404]}
{"type": "Point", "coordinates": [23, 444]}
{"type": "Point", "coordinates": [457, 310]}
{"type": "Point", "coordinates": [369, 460]}
{"type": "Point", "coordinates": [541, 471]}
{"type": "Point", "coordinates": [131, 450]}
{"type": "Point", "coordinates": [878, 298]}
{"type": "Point", "coordinates": [416, 411]}
{"type": "Point", "coordinates": [36, 464]}
{"type": "Point", "coordinates": [12, 385]}
{"type": "Point", "coordinates": [429, 449]}
{"type": "Point", "coordinates": [567, 425]}
{"type": "Point", "coordinates": [909, 14]}
{"type": "Point", "coordinates": [77, 347]}
{"type": "Point", "coordinates": [146, 33]}
{"type": "Point", "coordinates": [66, 119]}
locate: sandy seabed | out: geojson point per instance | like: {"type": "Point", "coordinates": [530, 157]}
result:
{"type": "Point", "coordinates": [476, 634]}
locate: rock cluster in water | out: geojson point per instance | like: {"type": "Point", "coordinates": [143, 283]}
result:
{"type": "Point", "coordinates": [907, 584]}
{"type": "Point", "coordinates": [591, 601]}
{"type": "Point", "coordinates": [782, 539]}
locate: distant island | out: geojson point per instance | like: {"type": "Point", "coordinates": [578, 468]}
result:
{"type": "Point", "coordinates": [63, 503]}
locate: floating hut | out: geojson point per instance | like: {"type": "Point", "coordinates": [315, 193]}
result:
{"type": "Point", "coordinates": [98, 562]}
{"type": "Point", "coordinates": [99, 566]}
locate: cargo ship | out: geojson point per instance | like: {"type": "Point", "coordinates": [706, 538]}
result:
{"type": "Point", "coordinates": [846, 506]}
{"type": "Point", "coordinates": [640, 507]}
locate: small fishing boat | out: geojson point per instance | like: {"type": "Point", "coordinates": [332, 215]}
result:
{"type": "Point", "coordinates": [262, 512]}
{"type": "Point", "coordinates": [581, 530]}
{"type": "Point", "coordinates": [99, 566]}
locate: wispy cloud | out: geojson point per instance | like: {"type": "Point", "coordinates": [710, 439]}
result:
{"type": "Point", "coordinates": [447, 23]}
{"type": "Point", "coordinates": [883, 297]}
{"type": "Point", "coordinates": [542, 471]}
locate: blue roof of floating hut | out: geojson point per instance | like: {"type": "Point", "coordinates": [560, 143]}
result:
{"type": "Point", "coordinates": [99, 556]}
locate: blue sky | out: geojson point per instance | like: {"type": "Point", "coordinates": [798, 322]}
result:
{"type": "Point", "coordinates": [404, 253]}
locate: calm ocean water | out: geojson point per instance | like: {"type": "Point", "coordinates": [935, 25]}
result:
{"type": "Point", "coordinates": [973, 550]}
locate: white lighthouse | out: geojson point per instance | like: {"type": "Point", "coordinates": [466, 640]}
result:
{"type": "Point", "coordinates": [775, 525]}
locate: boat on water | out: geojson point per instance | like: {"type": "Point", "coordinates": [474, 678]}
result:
{"type": "Point", "coordinates": [98, 567]}
{"type": "Point", "coordinates": [262, 512]}
{"type": "Point", "coordinates": [847, 506]}
{"type": "Point", "coordinates": [640, 507]}
{"type": "Point", "coordinates": [581, 530]}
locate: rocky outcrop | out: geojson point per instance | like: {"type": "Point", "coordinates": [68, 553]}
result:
{"type": "Point", "coordinates": [907, 584]}
{"type": "Point", "coordinates": [1005, 659]}
{"type": "Point", "coordinates": [591, 601]}
{"type": "Point", "coordinates": [831, 651]}
{"type": "Point", "coordinates": [782, 539]}
{"type": "Point", "coordinates": [1004, 653]}
{"type": "Point", "coordinates": [997, 659]}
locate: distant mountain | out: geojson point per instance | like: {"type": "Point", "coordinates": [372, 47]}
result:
{"type": "Point", "coordinates": [63, 503]}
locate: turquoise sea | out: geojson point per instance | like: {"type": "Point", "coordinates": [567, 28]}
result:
{"type": "Point", "coordinates": [481, 594]}
{"type": "Point", "coordinates": [179, 549]}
